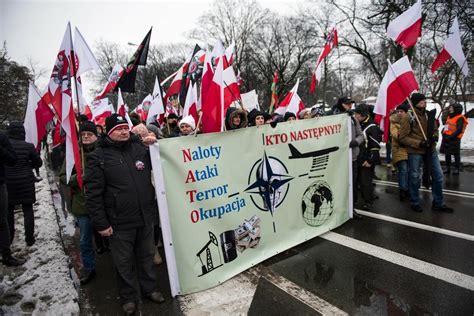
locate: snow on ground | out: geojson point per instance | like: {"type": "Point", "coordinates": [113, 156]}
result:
{"type": "Point", "coordinates": [43, 285]}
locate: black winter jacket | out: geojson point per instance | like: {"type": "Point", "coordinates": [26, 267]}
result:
{"type": "Point", "coordinates": [451, 144]}
{"type": "Point", "coordinates": [20, 178]}
{"type": "Point", "coordinates": [7, 155]}
{"type": "Point", "coordinates": [370, 149]}
{"type": "Point", "coordinates": [118, 187]}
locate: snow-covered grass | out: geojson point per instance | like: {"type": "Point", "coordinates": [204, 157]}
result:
{"type": "Point", "coordinates": [43, 285]}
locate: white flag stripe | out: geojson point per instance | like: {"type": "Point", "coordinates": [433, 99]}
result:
{"type": "Point", "coordinates": [404, 20]}
{"type": "Point", "coordinates": [31, 129]}
{"type": "Point", "coordinates": [86, 58]}
{"type": "Point", "coordinates": [454, 47]}
{"type": "Point", "coordinates": [156, 108]}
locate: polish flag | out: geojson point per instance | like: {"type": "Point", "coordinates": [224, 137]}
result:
{"type": "Point", "coordinates": [145, 107]}
{"type": "Point", "coordinates": [406, 28]}
{"type": "Point", "coordinates": [122, 109]}
{"type": "Point", "coordinates": [207, 75]}
{"type": "Point", "coordinates": [191, 104]}
{"type": "Point", "coordinates": [102, 110]}
{"type": "Point", "coordinates": [452, 49]}
{"type": "Point", "coordinates": [60, 81]}
{"type": "Point", "coordinates": [397, 85]}
{"type": "Point", "coordinates": [38, 115]}
{"type": "Point", "coordinates": [114, 77]}
{"type": "Point", "coordinates": [229, 53]}
{"type": "Point", "coordinates": [175, 85]}
{"type": "Point", "coordinates": [58, 134]}
{"type": "Point", "coordinates": [88, 112]}
{"type": "Point", "coordinates": [291, 103]}
{"type": "Point", "coordinates": [213, 109]}
{"type": "Point", "coordinates": [331, 42]}
{"type": "Point", "coordinates": [86, 59]}
{"type": "Point", "coordinates": [231, 87]}
{"type": "Point", "coordinates": [157, 108]}
{"type": "Point", "coordinates": [59, 95]}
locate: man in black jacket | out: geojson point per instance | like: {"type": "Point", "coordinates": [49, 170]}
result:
{"type": "Point", "coordinates": [7, 157]}
{"type": "Point", "coordinates": [369, 155]}
{"type": "Point", "coordinates": [121, 201]}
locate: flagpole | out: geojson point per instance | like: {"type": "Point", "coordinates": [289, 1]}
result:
{"type": "Point", "coordinates": [198, 122]}
{"type": "Point", "coordinates": [409, 101]}
{"type": "Point", "coordinates": [340, 71]}
{"type": "Point", "coordinates": [73, 61]}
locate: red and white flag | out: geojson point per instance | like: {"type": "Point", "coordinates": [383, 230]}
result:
{"type": "Point", "coordinates": [207, 75]}
{"type": "Point", "coordinates": [157, 108]}
{"type": "Point", "coordinates": [331, 42]}
{"type": "Point", "coordinates": [452, 49]}
{"type": "Point", "coordinates": [213, 110]}
{"type": "Point", "coordinates": [114, 77]}
{"type": "Point", "coordinates": [175, 85]}
{"type": "Point", "coordinates": [60, 81]}
{"type": "Point", "coordinates": [231, 87]}
{"type": "Point", "coordinates": [191, 104]}
{"type": "Point", "coordinates": [406, 28]}
{"type": "Point", "coordinates": [229, 53]}
{"type": "Point", "coordinates": [397, 85]}
{"type": "Point", "coordinates": [84, 61]}
{"type": "Point", "coordinates": [59, 95]}
{"type": "Point", "coordinates": [38, 115]}
{"type": "Point", "coordinates": [291, 103]}
{"type": "Point", "coordinates": [101, 110]}
{"type": "Point", "coordinates": [122, 109]}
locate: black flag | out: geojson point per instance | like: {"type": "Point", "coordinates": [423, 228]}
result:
{"type": "Point", "coordinates": [127, 81]}
{"type": "Point", "coordinates": [192, 72]}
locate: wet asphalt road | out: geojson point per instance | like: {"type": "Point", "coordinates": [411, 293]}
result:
{"type": "Point", "coordinates": [424, 281]}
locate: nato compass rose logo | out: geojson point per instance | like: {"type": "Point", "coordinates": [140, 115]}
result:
{"type": "Point", "coordinates": [269, 180]}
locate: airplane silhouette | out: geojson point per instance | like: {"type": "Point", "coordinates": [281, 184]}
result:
{"type": "Point", "coordinates": [296, 154]}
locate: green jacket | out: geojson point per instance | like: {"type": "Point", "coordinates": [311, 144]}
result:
{"type": "Point", "coordinates": [78, 203]}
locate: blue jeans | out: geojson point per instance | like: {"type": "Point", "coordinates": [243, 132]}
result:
{"type": "Point", "coordinates": [414, 166]}
{"type": "Point", "coordinates": [402, 167]}
{"type": "Point", "coordinates": [85, 244]}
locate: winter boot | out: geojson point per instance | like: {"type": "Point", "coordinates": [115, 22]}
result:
{"type": "Point", "coordinates": [447, 171]}
{"type": "Point", "coordinates": [456, 172]}
{"type": "Point", "coordinates": [11, 261]}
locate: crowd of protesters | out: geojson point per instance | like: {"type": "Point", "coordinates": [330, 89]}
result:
{"type": "Point", "coordinates": [116, 210]}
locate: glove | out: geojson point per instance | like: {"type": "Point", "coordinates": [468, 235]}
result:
{"type": "Point", "coordinates": [353, 144]}
{"type": "Point", "coordinates": [425, 144]}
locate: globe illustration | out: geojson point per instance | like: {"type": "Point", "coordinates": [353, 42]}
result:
{"type": "Point", "coordinates": [317, 204]}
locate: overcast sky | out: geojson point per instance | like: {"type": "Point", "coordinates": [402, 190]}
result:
{"type": "Point", "coordinates": [33, 29]}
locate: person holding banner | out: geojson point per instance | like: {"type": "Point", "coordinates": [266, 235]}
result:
{"type": "Point", "coordinates": [419, 143]}
{"type": "Point", "coordinates": [121, 201]}
{"type": "Point", "coordinates": [344, 105]}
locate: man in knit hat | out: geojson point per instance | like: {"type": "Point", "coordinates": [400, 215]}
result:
{"type": "Point", "coordinates": [121, 201]}
{"type": "Point", "coordinates": [88, 139]}
{"type": "Point", "coordinates": [419, 144]}
{"type": "Point", "coordinates": [187, 125]}
{"type": "Point", "coordinates": [344, 105]}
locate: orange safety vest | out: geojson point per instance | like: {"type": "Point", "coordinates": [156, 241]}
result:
{"type": "Point", "coordinates": [450, 127]}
